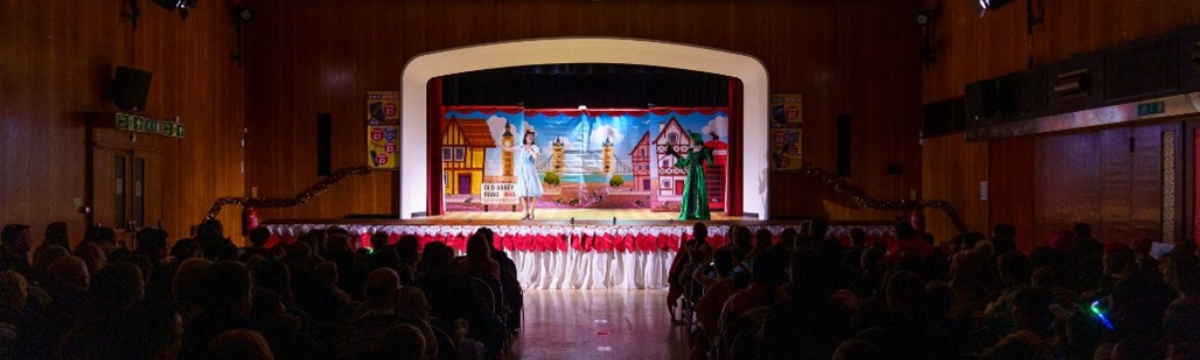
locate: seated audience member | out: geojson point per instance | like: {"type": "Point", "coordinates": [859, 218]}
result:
{"type": "Point", "coordinates": [1020, 346]}
{"type": "Point", "coordinates": [152, 243]}
{"type": "Point", "coordinates": [853, 254]}
{"type": "Point", "coordinates": [320, 296]}
{"type": "Point", "coordinates": [855, 349]}
{"type": "Point", "coordinates": [741, 244]}
{"type": "Point", "coordinates": [908, 241]}
{"type": "Point", "coordinates": [92, 255]}
{"type": "Point", "coordinates": [67, 283]}
{"type": "Point", "coordinates": [280, 328]}
{"type": "Point", "coordinates": [187, 287]}
{"type": "Point", "coordinates": [106, 238]}
{"type": "Point", "coordinates": [479, 262]}
{"type": "Point", "coordinates": [717, 289]}
{"type": "Point", "coordinates": [810, 324]}
{"type": "Point", "coordinates": [238, 344]}
{"type": "Point", "coordinates": [41, 264]}
{"type": "Point", "coordinates": [405, 342]}
{"type": "Point", "coordinates": [452, 296]}
{"type": "Point", "coordinates": [56, 235]}
{"type": "Point", "coordinates": [351, 274]}
{"type": "Point", "coordinates": [676, 278]}
{"type": "Point", "coordinates": [509, 284]}
{"type": "Point", "coordinates": [301, 260]}
{"type": "Point", "coordinates": [1136, 308]}
{"type": "Point", "coordinates": [115, 324]}
{"type": "Point", "coordinates": [742, 315]}
{"type": "Point", "coordinates": [258, 244]}
{"type": "Point", "coordinates": [213, 243]}
{"type": "Point", "coordinates": [906, 333]}
{"type": "Point", "coordinates": [364, 337]}
{"type": "Point", "coordinates": [225, 301]}
{"type": "Point", "coordinates": [408, 250]}
{"type": "Point", "coordinates": [15, 240]}
{"type": "Point", "coordinates": [14, 294]}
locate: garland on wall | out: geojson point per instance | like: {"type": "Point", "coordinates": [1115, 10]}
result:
{"type": "Point", "coordinates": [841, 187]}
{"type": "Point", "coordinates": [301, 199]}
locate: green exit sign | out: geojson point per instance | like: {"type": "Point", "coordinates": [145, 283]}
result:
{"type": "Point", "coordinates": [1153, 108]}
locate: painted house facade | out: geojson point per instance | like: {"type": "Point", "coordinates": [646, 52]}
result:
{"type": "Point", "coordinates": [463, 155]}
{"type": "Point", "coordinates": [640, 159]}
{"type": "Point", "coordinates": [670, 178]}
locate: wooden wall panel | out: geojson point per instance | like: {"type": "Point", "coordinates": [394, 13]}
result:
{"type": "Point", "coordinates": [946, 180]}
{"type": "Point", "coordinates": [970, 48]}
{"type": "Point", "coordinates": [1066, 182]}
{"type": "Point", "coordinates": [317, 56]}
{"type": "Point", "coordinates": [1098, 178]}
{"type": "Point", "coordinates": [56, 59]}
{"type": "Point", "coordinates": [1010, 188]}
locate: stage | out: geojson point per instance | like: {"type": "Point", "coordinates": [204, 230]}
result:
{"type": "Point", "coordinates": [554, 252]}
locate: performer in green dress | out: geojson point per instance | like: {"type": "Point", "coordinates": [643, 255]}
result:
{"type": "Point", "coordinates": [694, 205]}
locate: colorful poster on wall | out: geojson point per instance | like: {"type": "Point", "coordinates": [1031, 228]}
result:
{"type": "Point", "coordinates": [382, 145]}
{"type": "Point", "coordinates": [383, 107]}
{"type": "Point", "coordinates": [786, 131]}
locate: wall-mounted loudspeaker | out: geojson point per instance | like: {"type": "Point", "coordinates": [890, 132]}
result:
{"type": "Point", "coordinates": [982, 100]}
{"type": "Point", "coordinates": [130, 87]}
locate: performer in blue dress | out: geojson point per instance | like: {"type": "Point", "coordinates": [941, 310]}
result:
{"type": "Point", "coordinates": [529, 185]}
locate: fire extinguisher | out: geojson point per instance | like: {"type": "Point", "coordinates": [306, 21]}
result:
{"type": "Point", "coordinates": [249, 220]}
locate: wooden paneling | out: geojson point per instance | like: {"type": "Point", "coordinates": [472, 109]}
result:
{"type": "Point", "coordinates": [1111, 179]}
{"type": "Point", "coordinates": [946, 179]}
{"type": "Point", "coordinates": [56, 58]}
{"type": "Point", "coordinates": [970, 48]}
{"type": "Point", "coordinates": [1010, 188]}
{"type": "Point", "coordinates": [850, 57]}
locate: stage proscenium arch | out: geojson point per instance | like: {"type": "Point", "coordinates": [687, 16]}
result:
{"type": "Point", "coordinates": [417, 73]}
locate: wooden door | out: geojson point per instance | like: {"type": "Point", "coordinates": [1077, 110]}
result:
{"type": "Point", "coordinates": [109, 180]}
{"type": "Point", "coordinates": [126, 188]}
{"type": "Point", "coordinates": [125, 175]}
{"type": "Point", "coordinates": [678, 187]}
{"type": "Point", "coordinates": [464, 184]}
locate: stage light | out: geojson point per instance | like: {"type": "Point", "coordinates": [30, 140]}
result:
{"type": "Point", "coordinates": [583, 108]}
{"type": "Point", "coordinates": [182, 5]}
{"type": "Point", "coordinates": [983, 6]}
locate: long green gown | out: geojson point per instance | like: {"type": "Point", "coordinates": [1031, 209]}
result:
{"type": "Point", "coordinates": [694, 205]}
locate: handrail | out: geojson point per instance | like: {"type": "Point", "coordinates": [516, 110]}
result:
{"type": "Point", "coordinates": [300, 199]}
{"type": "Point", "coordinates": [841, 187]}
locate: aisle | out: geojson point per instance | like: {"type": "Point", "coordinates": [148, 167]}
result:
{"type": "Point", "coordinates": [598, 324]}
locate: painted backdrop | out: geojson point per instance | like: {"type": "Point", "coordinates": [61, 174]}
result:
{"type": "Point", "coordinates": [610, 158]}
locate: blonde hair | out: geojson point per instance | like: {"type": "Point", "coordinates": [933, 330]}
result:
{"type": "Point", "coordinates": [14, 289]}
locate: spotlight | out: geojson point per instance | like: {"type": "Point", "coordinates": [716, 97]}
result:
{"type": "Point", "coordinates": [182, 5]}
{"type": "Point", "coordinates": [983, 6]}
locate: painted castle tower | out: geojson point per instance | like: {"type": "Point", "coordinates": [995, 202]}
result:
{"type": "Point", "coordinates": [506, 141]}
{"type": "Point", "coordinates": [559, 152]}
{"type": "Point", "coordinates": [607, 156]}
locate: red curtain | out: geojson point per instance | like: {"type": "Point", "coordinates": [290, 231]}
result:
{"type": "Point", "coordinates": [433, 141]}
{"type": "Point", "coordinates": [733, 201]}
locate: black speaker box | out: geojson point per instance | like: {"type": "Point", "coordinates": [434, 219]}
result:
{"type": "Point", "coordinates": [130, 87]}
{"type": "Point", "coordinates": [844, 131]}
{"type": "Point", "coordinates": [982, 100]}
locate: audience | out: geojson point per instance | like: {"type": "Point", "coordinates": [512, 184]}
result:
{"type": "Point", "coordinates": [805, 297]}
